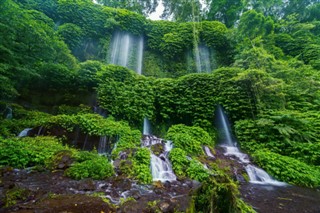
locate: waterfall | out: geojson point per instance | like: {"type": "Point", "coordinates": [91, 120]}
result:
{"type": "Point", "coordinates": [140, 56]}
{"type": "Point", "coordinates": [127, 50]}
{"type": "Point", "coordinates": [202, 59]}
{"type": "Point", "coordinates": [146, 127]}
{"type": "Point", "coordinates": [223, 126]}
{"type": "Point", "coordinates": [161, 167]}
{"type": "Point", "coordinates": [24, 132]}
{"type": "Point", "coordinates": [102, 147]}
{"type": "Point", "coordinates": [256, 175]}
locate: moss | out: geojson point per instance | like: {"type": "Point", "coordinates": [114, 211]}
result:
{"type": "Point", "coordinates": [14, 195]}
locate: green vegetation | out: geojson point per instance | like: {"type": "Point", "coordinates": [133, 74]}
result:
{"type": "Point", "coordinates": [27, 152]}
{"type": "Point", "coordinates": [189, 139]}
{"type": "Point", "coordinates": [96, 168]}
{"type": "Point", "coordinates": [265, 61]}
{"type": "Point", "coordinates": [141, 165]}
{"type": "Point", "coordinates": [220, 194]}
{"type": "Point", "coordinates": [288, 169]}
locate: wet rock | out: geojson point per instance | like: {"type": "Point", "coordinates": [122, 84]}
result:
{"type": "Point", "coordinates": [165, 206]}
{"type": "Point", "coordinates": [157, 149]}
{"type": "Point", "coordinates": [87, 185]}
{"type": "Point", "coordinates": [167, 184]}
{"type": "Point", "coordinates": [136, 194]}
{"type": "Point", "coordinates": [123, 155]}
{"type": "Point", "coordinates": [74, 203]}
{"type": "Point", "coordinates": [122, 183]}
{"type": "Point", "coordinates": [61, 160]}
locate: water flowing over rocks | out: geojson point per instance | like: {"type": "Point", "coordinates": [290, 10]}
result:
{"type": "Point", "coordinates": [52, 192]}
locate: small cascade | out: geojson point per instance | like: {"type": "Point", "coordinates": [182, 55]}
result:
{"type": "Point", "coordinates": [259, 176]}
{"type": "Point", "coordinates": [102, 147]}
{"type": "Point", "coordinates": [208, 152]}
{"type": "Point", "coordinates": [256, 175]}
{"type": "Point", "coordinates": [24, 132]}
{"type": "Point", "coordinates": [127, 50]}
{"type": "Point", "coordinates": [234, 151]}
{"type": "Point", "coordinates": [161, 167]}
{"type": "Point", "coordinates": [146, 127]}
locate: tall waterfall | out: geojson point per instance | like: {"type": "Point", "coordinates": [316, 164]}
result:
{"type": "Point", "coordinates": [127, 50]}
{"type": "Point", "coordinates": [202, 59]}
{"type": "Point", "coordinates": [256, 175]}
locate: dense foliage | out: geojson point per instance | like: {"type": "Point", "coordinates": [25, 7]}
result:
{"type": "Point", "coordinates": [264, 60]}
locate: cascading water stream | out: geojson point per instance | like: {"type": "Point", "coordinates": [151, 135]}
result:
{"type": "Point", "coordinates": [161, 168]}
{"type": "Point", "coordinates": [256, 175]}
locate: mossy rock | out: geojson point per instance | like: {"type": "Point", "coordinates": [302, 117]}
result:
{"type": "Point", "coordinates": [61, 160]}
{"type": "Point", "coordinates": [157, 149]}
{"type": "Point", "coordinates": [14, 195]}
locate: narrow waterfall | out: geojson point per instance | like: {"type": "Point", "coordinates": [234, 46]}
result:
{"type": "Point", "coordinates": [140, 57]}
{"type": "Point", "coordinates": [146, 127]}
{"type": "Point", "coordinates": [223, 126]}
{"type": "Point", "coordinates": [127, 50]}
{"type": "Point", "coordinates": [202, 59]}
{"type": "Point", "coordinates": [102, 148]}
{"type": "Point", "coordinates": [24, 132]}
{"type": "Point", "coordinates": [256, 175]}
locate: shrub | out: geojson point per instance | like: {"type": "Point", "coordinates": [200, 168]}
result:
{"type": "Point", "coordinates": [179, 161]}
{"type": "Point", "coordinates": [141, 166]}
{"type": "Point", "coordinates": [196, 171]}
{"type": "Point", "coordinates": [97, 168]}
{"type": "Point", "coordinates": [24, 152]}
{"type": "Point", "coordinates": [188, 138]}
